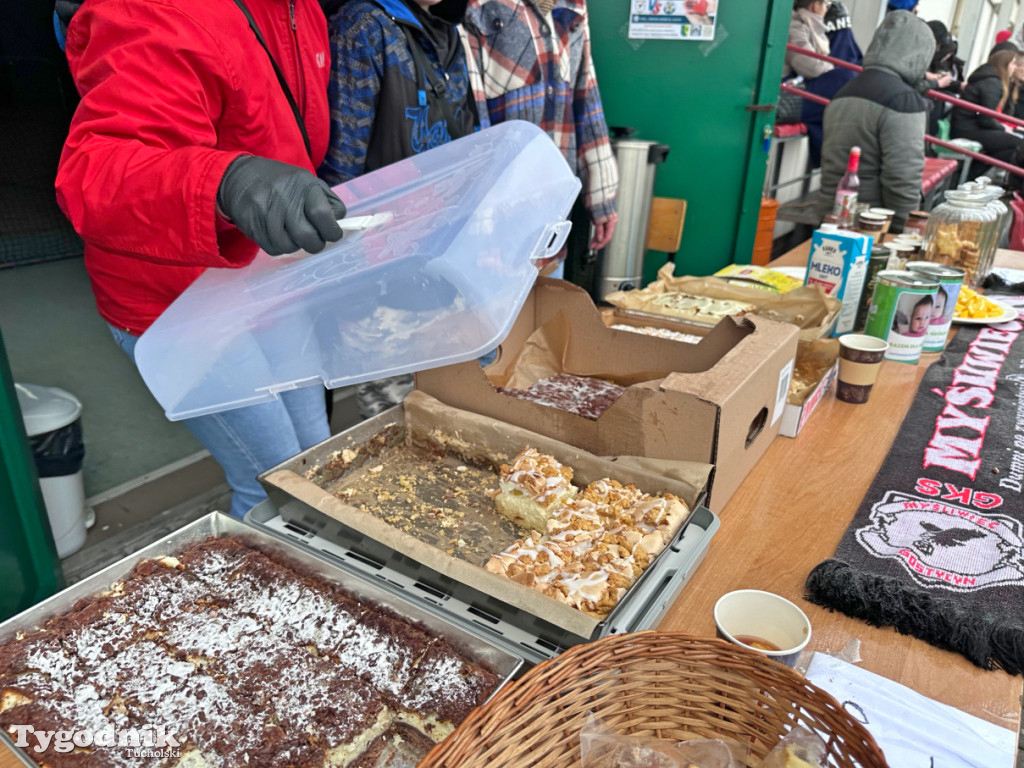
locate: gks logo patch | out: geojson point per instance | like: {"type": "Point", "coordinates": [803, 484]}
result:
{"type": "Point", "coordinates": [944, 545]}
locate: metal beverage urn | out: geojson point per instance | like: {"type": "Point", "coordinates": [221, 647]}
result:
{"type": "Point", "coordinates": [622, 260]}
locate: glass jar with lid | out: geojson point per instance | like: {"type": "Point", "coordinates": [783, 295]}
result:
{"type": "Point", "coordinates": [978, 188]}
{"type": "Point", "coordinates": [1004, 217]}
{"type": "Point", "coordinates": [961, 233]}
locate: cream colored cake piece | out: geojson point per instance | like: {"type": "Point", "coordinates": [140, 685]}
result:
{"type": "Point", "coordinates": [701, 307]}
{"type": "Point", "coordinates": [661, 333]}
{"type": "Point", "coordinates": [533, 487]}
{"type": "Point", "coordinates": [596, 545]}
{"type": "Point", "coordinates": [643, 519]}
{"type": "Point", "coordinates": [570, 567]}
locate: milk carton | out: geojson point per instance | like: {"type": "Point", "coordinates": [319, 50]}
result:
{"type": "Point", "coordinates": [839, 264]}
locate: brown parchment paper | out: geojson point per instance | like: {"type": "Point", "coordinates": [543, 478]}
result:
{"type": "Point", "coordinates": [482, 439]}
{"type": "Point", "coordinates": [544, 353]}
{"type": "Point", "coordinates": [813, 360]}
{"type": "Point", "coordinates": [807, 307]}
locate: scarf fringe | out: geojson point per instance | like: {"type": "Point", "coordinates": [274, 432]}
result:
{"type": "Point", "coordinates": [884, 602]}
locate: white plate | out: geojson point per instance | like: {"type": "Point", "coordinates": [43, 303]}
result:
{"type": "Point", "coordinates": [800, 273]}
{"type": "Point", "coordinates": [1009, 313]}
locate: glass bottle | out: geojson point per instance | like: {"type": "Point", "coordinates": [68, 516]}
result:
{"type": "Point", "coordinates": [846, 193]}
{"type": "Point", "coordinates": [958, 231]}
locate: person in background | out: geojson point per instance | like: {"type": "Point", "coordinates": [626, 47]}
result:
{"type": "Point", "coordinates": [989, 86]}
{"type": "Point", "coordinates": [882, 112]}
{"type": "Point", "coordinates": [902, 5]}
{"type": "Point", "coordinates": [185, 154]}
{"type": "Point", "coordinates": [945, 60]}
{"type": "Point", "coordinates": [947, 73]}
{"type": "Point", "coordinates": [807, 30]}
{"type": "Point", "coordinates": [531, 61]}
{"type": "Point", "coordinates": [1015, 104]}
{"type": "Point", "coordinates": [399, 86]}
{"type": "Point", "coordinates": [842, 45]}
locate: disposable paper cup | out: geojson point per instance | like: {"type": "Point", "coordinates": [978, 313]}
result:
{"type": "Point", "coordinates": [753, 613]}
{"type": "Point", "coordinates": [860, 357]}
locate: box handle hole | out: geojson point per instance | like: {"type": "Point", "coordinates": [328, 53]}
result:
{"type": "Point", "coordinates": [756, 426]}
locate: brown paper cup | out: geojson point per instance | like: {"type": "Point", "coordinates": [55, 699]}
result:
{"type": "Point", "coordinates": [860, 357]}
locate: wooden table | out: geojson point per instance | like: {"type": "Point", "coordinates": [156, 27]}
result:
{"type": "Point", "coordinates": [789, 515]}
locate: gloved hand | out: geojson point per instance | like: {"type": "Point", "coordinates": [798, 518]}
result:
{"type": "Point", "coordinates": [280, 207]}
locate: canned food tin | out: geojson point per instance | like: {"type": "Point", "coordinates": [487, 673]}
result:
{"type": "Point", "coordinates": [901, 310]}
{"type": "Point", "coordinates": [950, 280]}
{"type": "Point", "coordinates": [877, 261]}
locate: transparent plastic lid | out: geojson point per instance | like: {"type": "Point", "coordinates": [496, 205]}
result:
{"type": "Point", "coordinates": [438, 280]}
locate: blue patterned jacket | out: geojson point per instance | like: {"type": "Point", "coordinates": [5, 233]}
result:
{"type": "Point", "coordinates": [379, 112]}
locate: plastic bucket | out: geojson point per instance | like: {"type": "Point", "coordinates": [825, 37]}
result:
{"type": "Point", "coordinates": [54, 429]}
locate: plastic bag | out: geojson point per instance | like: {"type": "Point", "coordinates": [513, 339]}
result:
{"type": "Point", "coordinates": [602, 747]}
{"type": "Point", "coordinates": [798, 749]}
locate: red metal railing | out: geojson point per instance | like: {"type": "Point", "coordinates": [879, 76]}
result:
{"type": "Point", "coordinates": [1015, 169]}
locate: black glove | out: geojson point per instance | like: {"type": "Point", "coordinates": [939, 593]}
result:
{"type": "Point", "coordinates": [280, 207]}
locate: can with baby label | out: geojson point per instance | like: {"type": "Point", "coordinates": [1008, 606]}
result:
{"type": "Point", "coordinates": [950, 281]}
{"type": "Point", "coordinates": [901, 310]}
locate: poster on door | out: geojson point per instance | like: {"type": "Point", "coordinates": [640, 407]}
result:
{"type": "Point", "coordinates": [672, 19]}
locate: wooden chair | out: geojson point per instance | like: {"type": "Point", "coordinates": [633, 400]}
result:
{"type": "Point", "coordinates": [665, 226]}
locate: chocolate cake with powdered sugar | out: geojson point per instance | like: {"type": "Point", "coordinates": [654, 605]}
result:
{"type": "Point", "coordinates": [243, 660]}
{"type": "Point", "coordinates": [583, 395]}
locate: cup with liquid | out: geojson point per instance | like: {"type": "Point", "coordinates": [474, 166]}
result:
{"type": "Point", "coordinates": [763, 622]}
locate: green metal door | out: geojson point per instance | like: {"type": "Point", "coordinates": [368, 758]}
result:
{"type": "Point", "coordinates": [29, 568]}
{"type": "Point", "coordinates": [702, 100]}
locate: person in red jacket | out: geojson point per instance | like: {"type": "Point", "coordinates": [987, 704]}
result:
{"type": "Point", "coordinates": [200, 127]}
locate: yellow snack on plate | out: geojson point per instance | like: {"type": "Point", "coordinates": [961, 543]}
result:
{"type": "Point", "coordinates": [972, 305]}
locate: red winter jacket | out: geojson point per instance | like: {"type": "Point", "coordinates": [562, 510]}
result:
{"type": "Point", "coordinates": [172, 92]}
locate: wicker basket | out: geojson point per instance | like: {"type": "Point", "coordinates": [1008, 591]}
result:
{"type": "Point", "coordinates": [665, 685]}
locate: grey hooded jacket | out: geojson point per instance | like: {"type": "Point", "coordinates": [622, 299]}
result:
{"type": "Point", "coordinates": [882, 112]}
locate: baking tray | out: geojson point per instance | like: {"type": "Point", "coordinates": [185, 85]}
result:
{"type": "Point", "coordinates": [537, 639]}
{"type": "Point", "coordinates": [474, 647]}
{"type": "Point", "coordinates": [643, 608]}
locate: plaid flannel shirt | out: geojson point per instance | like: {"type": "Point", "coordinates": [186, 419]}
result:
{"type": "Point", "coordinates": [523, 68]}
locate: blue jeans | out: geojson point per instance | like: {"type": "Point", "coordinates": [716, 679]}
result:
{"type": "Point", "coordinates": [250, 440]}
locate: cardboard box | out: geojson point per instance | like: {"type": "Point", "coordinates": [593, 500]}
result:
{"type": "Point", "coordinates": [795, 416]}
{"type": "Point", "coordinates": [440, 429]}
{"type": "Point", "coordinates": [719, 402]}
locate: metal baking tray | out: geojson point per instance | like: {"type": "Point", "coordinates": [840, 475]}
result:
{"type": "Point", "coordinates": [472, 645]}
{"type": "Point", "coordinates": [642, 607]}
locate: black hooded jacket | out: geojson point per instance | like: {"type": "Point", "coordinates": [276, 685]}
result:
{"type": "Point", "coordinates": [985, 89]}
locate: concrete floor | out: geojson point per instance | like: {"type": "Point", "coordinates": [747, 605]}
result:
{"type": "Point", "coordinates": [55, 337]}
{"type": "Point", "coordinates": [144, 475]}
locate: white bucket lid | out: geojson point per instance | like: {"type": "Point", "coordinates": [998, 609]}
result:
{"type": "Point", "coordinates": [46, 409]}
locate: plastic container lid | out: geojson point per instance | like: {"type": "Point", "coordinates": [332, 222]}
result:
{"type": "Point", "coordinates": [46, 409]}
{"type": "Point", "coordinates": [440, 282]}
